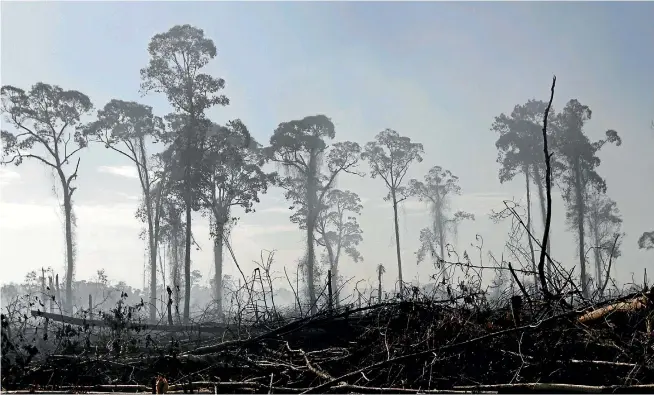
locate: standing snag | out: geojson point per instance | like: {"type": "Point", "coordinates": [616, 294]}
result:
{"type": "Point", "coordinates": [380, 271]}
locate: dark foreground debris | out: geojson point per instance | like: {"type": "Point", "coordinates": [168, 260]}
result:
{"type": "Point", "coordinates": [411, 346]}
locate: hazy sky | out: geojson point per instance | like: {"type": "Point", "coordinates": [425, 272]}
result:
{"type": "Point", "coordinates": [436, 72]}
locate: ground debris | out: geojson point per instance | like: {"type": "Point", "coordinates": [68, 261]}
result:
{"type": "Point", "coordinates": [419, 345]}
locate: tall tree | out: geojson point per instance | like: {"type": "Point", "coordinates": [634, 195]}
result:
{"type": "Point", "coordinates": [520, 151]}
{"type": "Point", "coordinates": [337, 230]}
{"type": "Point", "coordinates": [299, 147]}
{"type": "Point", "coordinates": [604, 222]}
{"type": "Point", "coordinates": [126, 128]}
{"type": "Point", "coordinates": [389, 156]}
{"type": "Point", "coordinates": [232, 176]}
{"type": "Point", "coordinates": [177, 58]}
{"type": "Point", "coordinates": [580, 158]}
{"type": "Point", "coordinates": [439, 186]}
{"type": "Point", "coordinates": [45, 119]}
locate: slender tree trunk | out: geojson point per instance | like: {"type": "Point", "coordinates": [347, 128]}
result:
{"type": "Point", "coordinates": [531, 243]}
{"type": "Point", "coordinates": [397, 243]}
{"type": "Point", "coordinates": [161, 257]}
{"type": "Point", "coordinates": [580, 203]}
{"type": "Point", "coordinates": [187, 259]}
{"type": "Point", "coordinates": [189, 156]}
{"type": "Point", "coordinates": [439, 228]}
{"type": "Point", "coordinates": [441, 241]}
{"type": "Point", "coordinates": [311, 222]}
{"type": "Point", "coordinates": [144, 178]}
{"type": "Point", "coordinates": [153, 274]}
{"type": "Point", "coordinates": [593, 228]}
{"type": "Point", "coordinates": [543, 213]}
{"type": "Point", "coordinates": [189, 209]}
{"type": "Point", "coordinates": [598, 263]}
{"type": "Point", "coordinates": [218, 265]}
{"type": "Point", "coordinates": [310, 268]}
{"type": "Point", "coordinates": [175, 272]}
{"type": "Point", "coordinates": [70, 253]}
{"type": "Point", "coordinates": [58, 288]}
{"type": "Point", "coordinates": [379, 286]}
{"type": "Point", "coordinates": [333, 265]}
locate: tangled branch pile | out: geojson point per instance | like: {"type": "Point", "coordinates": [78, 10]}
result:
{"type": "Point", "coordinates": [402, 346]}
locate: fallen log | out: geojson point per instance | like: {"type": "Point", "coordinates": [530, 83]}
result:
{"type": "Point", "coordinates": [642, 302]}
{"type": "Point", "coordinates": [620, 307]}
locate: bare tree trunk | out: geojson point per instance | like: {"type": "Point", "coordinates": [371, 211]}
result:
{"type": "Point", "coordinates": [593, 228]}
{"type": "Point", "coordinates": [51, 294]}
{"type": "Point", "coordinates": [598, 263]}
{"type": "Point", "coordinates": [531, 243]}
{"type": "Point", "coordinates": [218, 266]}
{"type": "Point", "coordinates": [441, 242]}
{"type": "Point", "coordinates": [70, 253]}
{"type": "Point", "coordinates": [310, 267]}
{"type": "Point", "coordinates": [187, 259]}
{"type": "Point", "coordinates": [311, 222]}
{"type": "Point", "coordinates": [397, 243]}
{"type": "Point", "coordinates": [58, 291]}
{"type": "Point", "coordinates": [188, 197]}
{"type": "Point", "coordinates": [144, 178]}
{"type": "Point", "coordinates": [439, 227]}
{"type": "Point", "coordinates": [162, 267]}
{"type": "Point", "coordinates": [543, 212]}
{"type": "Point", "coordinates": [175, 272]}
{"type": "Point", "coordinates": [580, 206]}
{"type": "Point", "coordinates": [333, 265]}
{"type": "Point", "coordinates": [153, 268]}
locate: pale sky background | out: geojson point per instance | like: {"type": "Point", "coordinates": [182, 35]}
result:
{"type": "Point", "coordinates": [436, 72]}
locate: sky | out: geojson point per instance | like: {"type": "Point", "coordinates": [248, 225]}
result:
{"type": "Point", "coordinates": [436, 72]}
